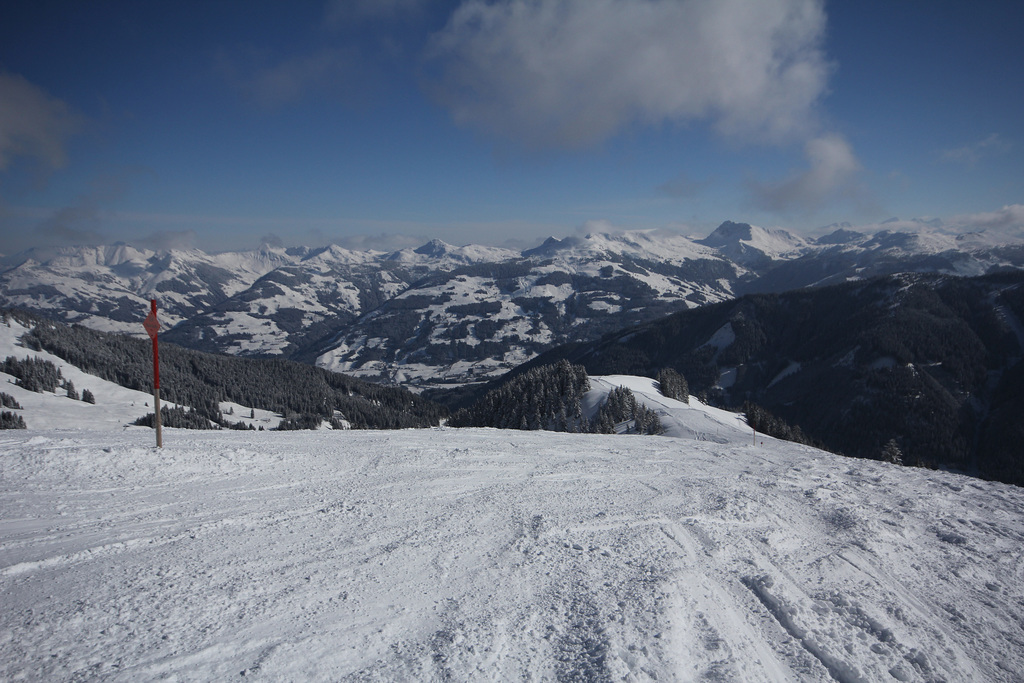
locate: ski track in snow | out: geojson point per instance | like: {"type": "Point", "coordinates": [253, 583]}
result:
{"type": "Point", "coordinates": [489, 555]}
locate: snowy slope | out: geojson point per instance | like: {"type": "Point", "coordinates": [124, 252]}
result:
{"type": "Point", "coordinates": [692, 420]}
{"type": "Point", "coordinates": [488, 555]}
{"type": "Point", "coordinates": [635, 244]}
{"type": "Point", "coordinates": [114, 408]}
{"type": "Point", "coordinates": [289, 307]}
{"type": "Point", "coordinates": [925, 249]}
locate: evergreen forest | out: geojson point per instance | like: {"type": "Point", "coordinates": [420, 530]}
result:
{"type": "Point", "coordinates": [305, 395]}
{"type": "Point", "coordinates": [550, 397]}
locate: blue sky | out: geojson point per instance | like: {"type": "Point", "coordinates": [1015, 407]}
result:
{"type": "Point", "coordinates": [382, 123]}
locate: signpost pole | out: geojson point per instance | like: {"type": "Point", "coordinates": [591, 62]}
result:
{"type": "Point", "coordinates": [152, 326]}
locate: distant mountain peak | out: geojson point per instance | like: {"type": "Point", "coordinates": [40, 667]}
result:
{"type": "Point", "coordinates": [753, 246]}
{"type": "Point", "coordinates": [841, 236]}
{"type": "Point", "coordinates": [548, 247]}
{"type": "Point", "coordinates": [434, 247]}
{"type": "Point", "coordinates": [334, 254]}
{"type": "Point", "coordinates": [729, 233]}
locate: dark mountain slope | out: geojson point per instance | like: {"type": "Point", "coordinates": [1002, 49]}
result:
{"type": "Point", "coordinates": [931, 361]}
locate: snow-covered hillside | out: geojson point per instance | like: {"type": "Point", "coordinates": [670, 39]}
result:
{"type": "Point", "coordinates": [106, 287]}
{"type": "Point", "coordinates": [478, 323]}
{"type": "Point", "coordinates": [490, 555]}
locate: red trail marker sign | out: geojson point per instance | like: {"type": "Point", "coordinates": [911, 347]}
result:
{"type": "Point", "coordinates": [152, 326]}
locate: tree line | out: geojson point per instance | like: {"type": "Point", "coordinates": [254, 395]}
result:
{"type": "Point", "coordinates": [201, 381]}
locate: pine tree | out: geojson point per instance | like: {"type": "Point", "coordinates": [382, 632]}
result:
{"type": "Point", "coordinates": [88, 397]}
{"type": "Point", "coordinates": [891, 453]}
{"type": "Point", "coordinates": [622, 407]}
{"type": "Point", "coordinates": [673, 385]}
{"type": "Point", "coordinates": [33, 374]}
{"type": "Point", "coordinates": [9, 420]}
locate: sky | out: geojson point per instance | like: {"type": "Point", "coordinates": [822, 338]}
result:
{"type": "Point", "coordinates": [384, 123]}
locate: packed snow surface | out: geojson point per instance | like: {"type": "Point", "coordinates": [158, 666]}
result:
{"type": "Point", "coordinates": [490, 555]}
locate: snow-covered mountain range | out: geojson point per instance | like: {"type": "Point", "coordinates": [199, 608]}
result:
{"type": "Point", "coordinates": [452, 314]}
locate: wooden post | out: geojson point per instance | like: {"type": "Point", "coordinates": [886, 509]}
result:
{"type": "Point", "coordinates": [152, 326]}
{"type": "Point", "coordinates": [156, 403]}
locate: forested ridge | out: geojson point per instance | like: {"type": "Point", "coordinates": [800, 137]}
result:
{"type": "Point", "coordinates": [932, 363]}
{"type": "Point", "coordinates": [302, 393]}
{"type": "Point", "coordinates": [550, 397]}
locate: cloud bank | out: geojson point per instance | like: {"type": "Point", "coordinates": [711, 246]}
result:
{"type": "Point", "coordinates": [169, 239]}
{"type": "Point", "coordinates": [77, 225]}
{"type": "Point", "coordinates": [32, 124]}
{"type": "Point", "coordinates": [571, 73]}
{"type": "Point", "coordinates": [831, 174]}
{"type": "Point", "coordinates": [1010, 217]}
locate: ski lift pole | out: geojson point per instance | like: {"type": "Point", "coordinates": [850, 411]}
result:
{"type": "Point", "coordinates": [152, 326]}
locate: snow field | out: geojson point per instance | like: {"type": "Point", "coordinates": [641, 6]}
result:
{"type": "Point", "coordinates": [492, 555]}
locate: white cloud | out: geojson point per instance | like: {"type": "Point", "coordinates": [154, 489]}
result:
{"type": "Point", "coordinates": [571, 73]}
{"type": "Point", "coordinates": [86, 221]}
{"type": "Point", "coordinates": [32, 124]}
{"type": "Point", "coordinates": [1005, 225]}
{"type": "Point", "coordinates": [597, 226]}
{"type": "Point", "coordinates": [972, 154]}
{"type": "Point", "coordinates": [76, 225]}
{"type": "Point", "coordinates": [1010, 217]}
{"type": "Point", "coordinates": [831, 174]}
